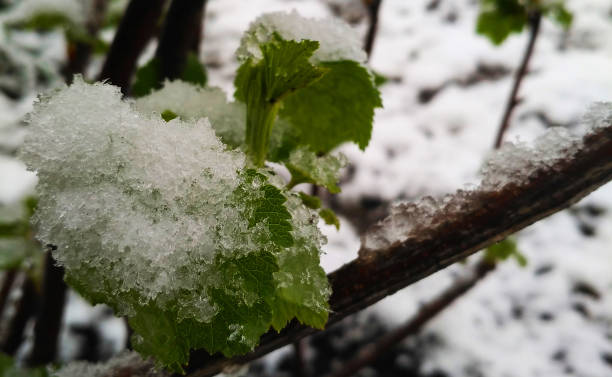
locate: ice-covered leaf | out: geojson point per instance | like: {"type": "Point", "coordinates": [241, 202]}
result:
{"type": "Point", "coordinates": [306, 167]}
{"type": "Point", "coordinates": [170, 228]}
{"type": "Point", "coordinates": [191, 102]}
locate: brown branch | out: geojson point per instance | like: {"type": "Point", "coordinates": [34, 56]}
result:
{"type": "Point", "coordinates": [373, 7]}
{"type": "Point", "coordinates": [373, 351]}
{"type": "Point", "coordinates": [181, 35]}
{"type": "Point", "coordinates": [50, 313]}
{"type": "Point", "coordinates": [7, 284]}
{"type": "Point", "coordinates": [138, 25]}
{"type": "Point", "coordinates": [535, 19]}
{"type": "Point", "coordinates": [485, 218]}
{"type": "Point", "coordinates": [24, 310]}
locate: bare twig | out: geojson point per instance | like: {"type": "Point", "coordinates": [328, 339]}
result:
{"type": "Point", "coordinates": [50, 313]}
{"type": "Point", "coordinates": [373, 351]}
{"type": "Point", "coordinates": [181, 35]}
{"type": "Point", "coordinates": [535, 19]}
{"type": "Point", "coordinates": [24, 310]}
{"type": "Point", "coordinates": [7, 284]}
{"type": "Point", "coordinates": [138, 25]}
{"type": "Point", "coordinates": [373, 7]}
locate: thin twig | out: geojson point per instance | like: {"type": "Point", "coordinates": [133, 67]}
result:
{"type": "Point", "coordinates": [7, 284]}
{"type": "Point", "coordinates": [181, 35]}
{"type": "Point", "coordinates": [50, 313]}
{"type": "Point", "coordinates": [300, 359]}
{"type": "Point", "coordinates": [137, 27]}
{"type": "Point", "coordinates": [373, 351]}
{"type": "Point", "coordinates": [535, 19]}
{"type": "Point", "coordinates": [24, 310]}
{"type": "Point", "coordinates": [373, 7]}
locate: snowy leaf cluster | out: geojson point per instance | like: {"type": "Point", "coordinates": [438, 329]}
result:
{"type": "Point", "coordinates": [172, 229]}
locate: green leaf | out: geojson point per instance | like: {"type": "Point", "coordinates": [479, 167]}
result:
{"type": "Point", "coordinates": [8, 368]}
{"type": "Point", "coordinates": [560, 14]}
{"type": "Point", "coordinates": [306, 167]}
{"type": "Point", "coordinates": [312, 202]}
{"type": "Point", "coordinates": [168, 115]}
{"type": "Point", "coordinates": [503, 250]}
{"type": "Point", "coordinates": [330, 217]}
{"type": "Point", "coordinates": [146, 78]}
{"type": "Point", "coordinates": [194, 71]}
{"type": "Point", "coordinates": [500, 18]}
{"type": "Point", "coordinates": [335, 109]}
{"type": "Point", "coordinates": [283, 70]}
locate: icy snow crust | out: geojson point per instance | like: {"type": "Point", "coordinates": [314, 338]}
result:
{"type": "Point", "coordinates": [192, 102]}
{"type": "Point", "coordinates": [139, 208]}
{"type": "Point", "coordinates": [126, 359]}
{"type": "Point", "coordinates": [513, 164]}
{"type": "Point", "coordinates": [337, 40]}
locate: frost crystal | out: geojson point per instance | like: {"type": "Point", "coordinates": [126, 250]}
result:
{"type": "Point", "coordinates": [338, 41]}
{"type": "Point", "coordinates": [130, 361]}
{"type": "Point", "coordinates": [164, 223]}
{"type": "Point", "coordinates": [192, 102]}
{"type": "Point", "coordinates": [513, 164]}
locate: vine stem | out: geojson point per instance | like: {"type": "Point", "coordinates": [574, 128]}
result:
{"type": "Point", "coordinates": [535, 19]}
{"type": "Point", "coordinates": [373, 7]}
{"type": "Point", "coordinates": [7, 284]}
{"type": "Point", "coordinates": [24, 310]}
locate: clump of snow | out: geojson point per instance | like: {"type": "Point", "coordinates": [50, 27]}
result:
{"type": "Point", "coordinates": [337, 40]}
{"type": "Point", "coordinates": [73, 10]}
{"type": "Point", "coordinates": [128, 363]}
{"type": "Point", "coordinates": [512, 164]}
{"type": "Point", "coordinates": [192, 102]}
{"type": "Point", "coordinates": [138, 205]}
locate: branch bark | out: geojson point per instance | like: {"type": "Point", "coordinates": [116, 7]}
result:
{"type": "Point", "coordinates": [24, 310]}
{"type": "Point", "coordinates": [490, 217]}
{"type": "Point", "coordinates": [181, 35]}
{"type": "Point", "coordinates": [138, 25]}
{"type": "Point", "coordinates": [535, 19]}
{"type": "Point", "coordinates": [7, 284]}
{"type": "Point", "coordinates": [373, 7]}
{"type": "Point", "coordinates": [50, 313]}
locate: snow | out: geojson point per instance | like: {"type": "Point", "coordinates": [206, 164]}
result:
{"type": "Point", "coordinates": [433, 148]}
{"type": "Point", "coordinates": [26, 10]}
{"type": "Point", "coordinates": [125, 360]}
{"type": "Point", "coordinates": [337, 40]}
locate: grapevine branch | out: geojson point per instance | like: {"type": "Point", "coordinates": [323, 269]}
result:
{"type": "Point", "coordinates": [489, 217]}
{"type": "Point", "coordinates": [373, 351]}
{"type": "Point", "coordinates": [24, 310]}
{"type": "Point", "coordinates": [138, 25]}
{"type": "Point", "coordinates": [373, 7]}
{"type": "Point", "coordinates": [5, 290]}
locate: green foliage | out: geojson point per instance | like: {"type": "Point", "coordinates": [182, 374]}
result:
{"type": "Point", "coordinates": [500, 18]}
{"type": "Point", "coordinates": [17, 247]}
{"type": "Point", "coordinates": [505, 249]}
{"type": "Point", "coordinates": [263, 85]}
{"type": "Point", "coordinates": [306, 167]}
{"type": "Point", "coordinates": [329, 217]}
{"type": "Point", "coordinates": [168, 115]}
{"type": "Point", "coordinates": [148, 76]}
{"type": "Point", "coordinates": [312, 202]}
{"type": "Point", "coordinates": [8, 368]}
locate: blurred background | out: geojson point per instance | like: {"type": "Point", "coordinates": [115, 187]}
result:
{"type": "Point", "coordinates": [445, 88]}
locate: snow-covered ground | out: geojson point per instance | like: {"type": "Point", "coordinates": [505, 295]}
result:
{"type": "Point", "coordinates": [442, 105]}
